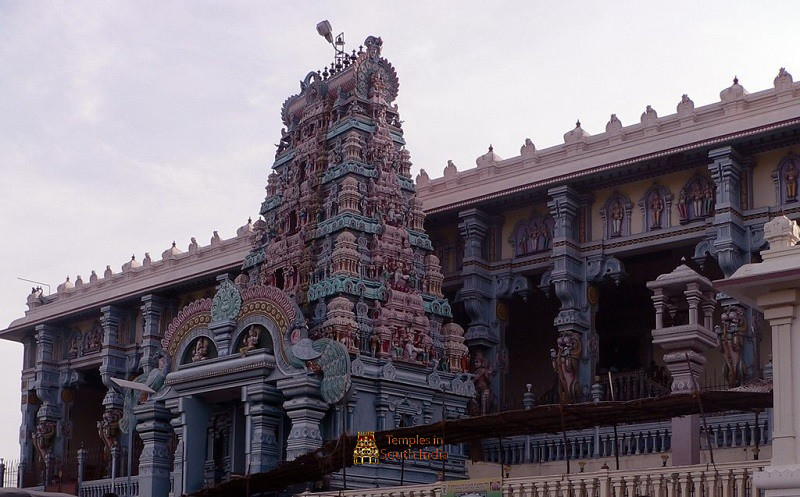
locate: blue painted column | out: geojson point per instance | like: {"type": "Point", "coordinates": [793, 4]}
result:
{"type": "Point", "coordinates": [264, 417]}
{"type": "Point", "coordinates": [47, 436]}
{"type": "Point", "coordinates": [306, 409]}
{"type": "Point", "coordinates": [153, 426]}
{"type": "Point", "coordinates": [568, 276]}
{"type": "Point", "coordinates": [732, 242]}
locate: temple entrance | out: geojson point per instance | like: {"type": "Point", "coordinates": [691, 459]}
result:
{"type": "Point", "coordinates": [529, 336]}
{"type": "Point", "coordinates": [225, 443]}
{"type": "Point", "coordinates": [624, 322]}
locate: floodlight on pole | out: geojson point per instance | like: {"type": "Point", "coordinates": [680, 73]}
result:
{"type": "Point", "coordinates": [326, 31]}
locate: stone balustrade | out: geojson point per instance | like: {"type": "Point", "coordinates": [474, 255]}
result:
{"type": "Point", "coordinates": [119, 486]}
{"type": "Point", "coordinates": [726, 431]}
{"type": "Point", "coordinates": [721, 480]}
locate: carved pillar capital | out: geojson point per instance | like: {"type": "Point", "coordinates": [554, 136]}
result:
{"type": "Point", "coordinates": [153, 307]}
{"type": "Point", "coordinates": [731, 244]}
{"type": "Point", "coordinates": [153, 426]}
{"type": "Point", "coordinates": [473, 225]}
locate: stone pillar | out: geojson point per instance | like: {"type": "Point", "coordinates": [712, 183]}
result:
{"type": "Point", "coordinates": [306, 410]}
{"type": "Point", "coordinates": [113, 365]}
{"type": "Point", "coordinates": [568, 276]}
{"type": "Point", "coordinates": [685, 340]}
{"type": "Point", "coordinates": [264, 416]}
{"type": "Point", "coordinates": [47, 436]}
{"type": "Point", "coordinates": [153, 426]}
{"type": "Point", "coordinates": [153, 308]}
{"type": "Point", "coordinates": [477, 290]}
{"type": "Point", "coordinates": [191, 423]}
{"type": "Point", "coordinates": [774, 287]}
{"type": "Point", "coordinates": [731, 243]}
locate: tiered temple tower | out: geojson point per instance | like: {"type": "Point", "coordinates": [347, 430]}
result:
{"type": "Point", "coordinates": [342, 233]}
{"type": "Point", "coordinates": [342, 230]}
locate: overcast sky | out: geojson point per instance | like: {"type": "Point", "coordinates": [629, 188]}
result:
{"type": "Point", "coordinates": [127, 125]}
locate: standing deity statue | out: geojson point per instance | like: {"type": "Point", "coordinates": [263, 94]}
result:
{"type": "Point", "coordinates": [730, 339]}
{"type": "Point", "coordinates": [697, 200]}
{"type": "Point", "coordinates": [617, 213]}
{"type": "Point", "coordinates": [565, 363]}
{"type": "Point", "coordinates": [708, 197]}
{"type": "Point", "coordinates": [656, 209]}
{"type": "Point", "coordinates": [790, 176]}
{"type": "Point", "coordinates": [682, 206]}
{"type": "Point", "coordinates": [483, 371]}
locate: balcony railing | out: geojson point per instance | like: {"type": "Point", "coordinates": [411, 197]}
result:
{"type": "Point", "coordinates": [119, 486]}
{"type": "Point", "coordinates": [730, 430]}
{"type": "Point", "coordinates": [728, 480]}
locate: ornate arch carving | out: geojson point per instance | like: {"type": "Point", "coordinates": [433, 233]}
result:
{"type": "Point", "coordinates": [616, 215]}
{"type": "Point", "coordinates": [196, 314]}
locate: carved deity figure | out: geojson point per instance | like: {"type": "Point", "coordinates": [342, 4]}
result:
{"type": "Point", "coordinates": [698, 200]}
{"type": "Point", "coordinates": [730, 339]}
{"type": "Point", "coordinates": [708, 198]}
{"type": "Point", "coordinates": [251, 342]}
{"type": "Point", "coordinates": [200, 350]}
{"type": "Point", "coordinates": [374, 344]}
{"type": "Point", "coordinates": [565, 363]}
{"type": "Point", "coordinates": [43, 438]}
{"type": "Point", "coordinates": [617, 213]}
{"type": "Point", "coordinates": [108, 431]}
{"type": "Point", "coordinates": [483, 371]}
{"type": "Point", "coordinates": [682, 206]}
{"type": "Point", "coordinates": [656, 209]}
{"type": "Point", "coordinates": [790, 176]}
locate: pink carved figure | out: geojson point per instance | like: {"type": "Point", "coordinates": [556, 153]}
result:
{"type": "Point", "coordinates": [682, 206]}
{"type": "Point", "coordinates": [565, 363]}
{"type": "Point", "coordinates": [730, 338]}
{"type": "Point", "coordinates": [251, 342]}
{"type": "Point", "coordinates": [697, 200]}
{"type": "Point", "coordinates": [656, 209]}
{"type": "Point", "coordinates": [200, 350]}
{"type": "Point", "coordinates": [483, 370]}
{"type": "Point", "coordinates": [790, 175]}
{"type": "Point", "coordinates": [617, 213]}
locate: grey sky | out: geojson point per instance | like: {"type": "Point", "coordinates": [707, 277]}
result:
{"type": "Point", "coordinates": [127, 125]}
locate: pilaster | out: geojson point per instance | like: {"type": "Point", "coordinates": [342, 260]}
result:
{"type": "Point", "coordinates": [476, 292]}
{"type": "Point", "coordinates": [264, 418]}
{"type": "Point", "coordinates": [306, 410]}
{"type": "Point", "coordinates": [569, 278]}
{"type": "Point", "coordinates": [153, 426]}
{"type": "Point", "coordinates": [113, 365]}
{"type": "Point", "coordinates": [153, 308]}
{"type": "Point", "coordinates": [731, 244]}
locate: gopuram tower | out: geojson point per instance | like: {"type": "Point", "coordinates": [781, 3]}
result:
{"type": "Point", "coordinates": [342, 233]}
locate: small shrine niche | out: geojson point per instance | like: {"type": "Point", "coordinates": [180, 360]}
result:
{"type": "Point", "coordinates": [200, 349]}
{"type": "Point", "coordinates": [785, 177]}
{"type": "Point", "coordinates": [616, 215]}
{"type": "Point", "coordinates": [254, 337]}
{"type": "Point", "coordinates": [696, 199]}
{"type": "Point", "coordinates": [656, 206]}
{"type": "Point", "coordinates": [532, 235]}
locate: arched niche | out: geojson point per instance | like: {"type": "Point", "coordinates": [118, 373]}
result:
{"type": "Point", "coordinates": [197, 346]}
{"type": "Point", "coordinates": [785, 176]}
{"type": "Point", "coordinates": [616, 215]}
{"type": "Point", "coordinates": [253, 333]}
{"type": "Point", "coordinates": [696, 199]}
{"type": "Point", "coordinates": [656, 207]}
{"type": "Point", "coordinates": [532, 235]}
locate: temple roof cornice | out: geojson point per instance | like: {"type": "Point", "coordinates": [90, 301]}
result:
{"type": "Point", "coordinates": [737, 115]}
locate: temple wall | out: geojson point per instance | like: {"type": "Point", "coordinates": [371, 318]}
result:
{"type": "Point", "coordinates": [763, 184]}
{"type": "Point", "coordinates": [674, 182]}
